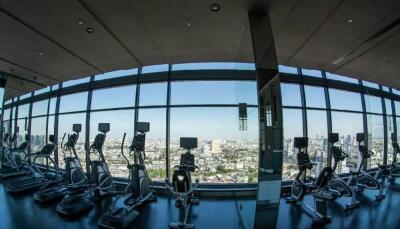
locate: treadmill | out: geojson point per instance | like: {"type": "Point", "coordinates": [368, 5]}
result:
{"type": "Point", "coordinates": [15, 161]}
{"type": "Point", "coordinates": [38, 178]}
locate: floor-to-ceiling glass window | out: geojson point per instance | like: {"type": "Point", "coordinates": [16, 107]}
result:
{"type": "Point", "coordinates": [226, 153]}
{"type": "Point", "coordinates": [373, 106]}
{"type": "Point", "coordinates": [121, 121]}
{"type": "Point", "coordinates": [22, 122]}
{"type": "Point", "coordinates": [347, 125]}
{"type": "Point", "coordinates": [72, 111]}
{"type": "Point", "coordinates": [292, 127]}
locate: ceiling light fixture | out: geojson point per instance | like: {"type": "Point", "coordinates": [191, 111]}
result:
{"type": "Point", "coordinates": [215, 7]}
{"type": "Point", "coordinates": [40, 52]}
{"type": "Point", "coordinates": [89, 30]}
{"type": "Point", "coordinates": [80, 22]}
{"type": "Point", "coordinates": [350, 20]}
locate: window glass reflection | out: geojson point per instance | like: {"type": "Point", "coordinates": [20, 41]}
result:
{"type": "Point", "coordinates": [224, 154]}
{"type": "Point", "coordinates": [310, 72]}
{"type": "Point", "coordinates": [315, 96]}
{"type": "Point", "coordinates": [388, 106]}
{"type": "Point", "coordinates": [121, 122]}
{"type": "Point", "coordinates": [371, 85]}
{"type": "Point", "coordinates": [38, 136]}
{"type": "Point", "coordinates": [213, 65]}
{"type": "Point", "coordinates": [317, 131]}
{"type": "Point", "coordinates": [341, 78]}
{"type": "Point", "coordinates": [286, 69]}
{"type": "Point", "coordinates": [40, 107]}
{"type": "Point", "coordinates": [155, 68]}
{"type": "Point", "coordinates": [75, 82]}
{"type": "Point", "coordinates": [152, 94]}
{"type": "Point", "coordinates": [73, 102]}
{"type": "Point", "coordinates": [114, 74]}
{"type": "Point", "coordinates": [375, 140]}
{"type": "Point", "coordinates": [293, 127]}
{"type": "Point", "coordinates": [65, 126]}
{"type": "Point", "coordinates": [155, 142]}
{"type": "Point", "coordinates": [373, 104]}
{"type": "Point", "coordinates": [213, 92]}
{"type": "Point", "coordinates": [345, 100]}
{"type": "Point", "coordinates": [23, 111]}
{"type": "Point", "coordinates": [121, 97]}
{"type": "Point", "coordinates": [347, 125]}
{"type": "Point", "coordinates": [290, 94]}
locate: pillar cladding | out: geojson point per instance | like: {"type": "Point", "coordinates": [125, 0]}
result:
{"type": "Point", "coordinates": [270, 121]}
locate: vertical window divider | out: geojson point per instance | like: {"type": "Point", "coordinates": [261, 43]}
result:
{"type": "Point", "coordinates": [87, 126]}
{"type": "Point", "coordinates": [16, 120]}
{"type": "Point", "coordinates": [30, 123]}
{"type": "Point", "coordinates": [47, 118]}
{"type": "Point", "coordinates": [365, 119]}
{"type": "Point", "coordinates": [56, 119]}
{"type": "Point", "coordinates": [137, 99]}
{"type": "Point", "coordinates": [2, 120]}
{"type": "Point", "coordinates": [385, 128]}
{"type": "Point", "coordinates": [328, 118]}
{"type": "Point", "coordinates": [303, 105]}
{"type": "Point", "coordinates": [394, 114]}
{"type": "Point", "coordinates": [168, 120]}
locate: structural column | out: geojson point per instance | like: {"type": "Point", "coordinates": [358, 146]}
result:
{"type": "Point", "coordinates": [270, 121]}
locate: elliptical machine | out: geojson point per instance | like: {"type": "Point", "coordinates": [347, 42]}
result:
{"type": "Point", "coordinates": [125, 209]}
{"type": "Point", "coordinates": [337, 183]}
{"type": "Point", "coordinates": [360, 179]}
{"type": "Point", "coordinates": [320, 189]}
{"type": "Point", "coordinates": [15, 160]}
{"type": "Point", "coordinates": [79, 198]}
{"type": "Point", "coordinates": [74, 174]}
{"type": "Point", "coordinates": [182, 186]}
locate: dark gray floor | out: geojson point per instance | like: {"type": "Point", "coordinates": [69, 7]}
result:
{"type": "Point", "coordinates": [20, 211]}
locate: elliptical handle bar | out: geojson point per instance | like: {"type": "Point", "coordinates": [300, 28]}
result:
{"type": "Point", "coordinates": [171, 189]}
{"type": "Point", "coordinates": [62, 143]}
{"type": "Point", "coordinates": [122, 148]}
{"type": "Point", "coordinates": [344, 154]}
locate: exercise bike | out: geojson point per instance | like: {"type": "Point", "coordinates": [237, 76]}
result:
{"type": "Point", "coordinates": [389, 173]}
{"type": "Point", "coordinates": [182, 186]}
{"type": "Point", "coordinates": [125, 209]}
{"type": "Point", "coordinates": [320, 189]}
{"type": "Point", "coordinates": [79, 198]}
{"type": "Point", "coordinates": [337, 183]}
{"type": "Point", "coordinates": [360, 179]}
{"type": "Point", "coordinates": [74, 174]}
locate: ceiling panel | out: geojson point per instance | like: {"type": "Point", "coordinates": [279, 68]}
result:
{"type": "Point", "coordinates": [58, 20]}
{"type": "Point", "coordinates": [385, 63]}
{"type": "Point", "coordinates": [349, 26]}
{"type": "Point", "coordinates": [23, 46]}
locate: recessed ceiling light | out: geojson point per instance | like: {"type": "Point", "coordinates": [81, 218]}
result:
{"type": "Point", "coordinates": [40, 52]}
{"type": "Point", "coordinates": [80, 22]}
{"type": "Point", "coordinates": [350, 20]}
{"type": "Point", "coordinates": [215, 7]}
{"type": "Point", "coordinates": [189, 24]}
{"type": "Point", "coordinates": [89, 30]}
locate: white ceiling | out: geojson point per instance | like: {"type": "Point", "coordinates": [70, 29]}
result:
{"type": "Point", "coordinates": [346, 37]}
